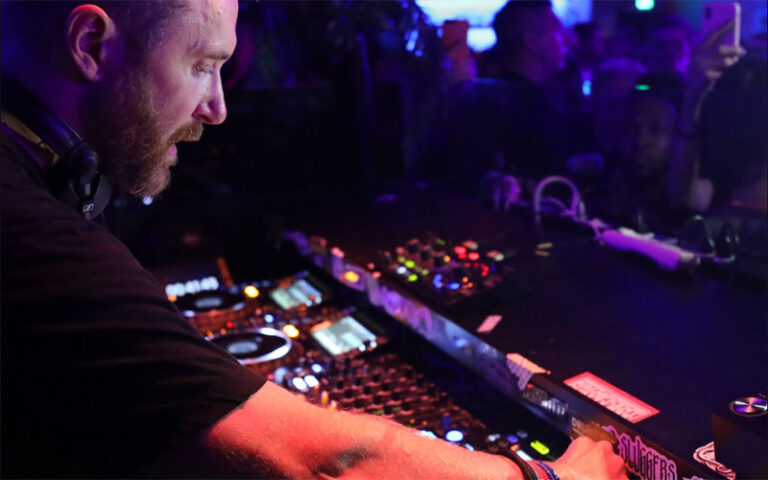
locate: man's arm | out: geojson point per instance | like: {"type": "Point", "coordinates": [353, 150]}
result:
{"type": "Point", "coordinates": [709, 60]}
{"type": "Point", "coordinates": [276, 434]}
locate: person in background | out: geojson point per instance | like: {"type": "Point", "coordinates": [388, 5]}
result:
{"type": "Point", "coordinates": [509, 119]}
{"type": "Point", "coordinates": [614, 80]}
{"type": "Point", "coordinates": [591, 46]}
{"type": "Point", "coordinates": [658, 183]}
{"type": "Point", "coordinates": [668, 49]}
{"type": "Point", "coordinates": [530, 43]}
{"type": "Point", "coordinates": [102, 376]}
{"type": "Point", "coordinates": [640, 177]}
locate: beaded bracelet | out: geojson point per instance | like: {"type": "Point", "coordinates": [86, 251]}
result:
{"type": "Point", "coordinates": [529, 473]}
{"type": "Point", "coordinates": [551, 475]}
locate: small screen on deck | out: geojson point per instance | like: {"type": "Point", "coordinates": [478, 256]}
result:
{"type": "Point", "coordinates": [342, 336]}
{"type": "Point", "coordinates": [300, 292]}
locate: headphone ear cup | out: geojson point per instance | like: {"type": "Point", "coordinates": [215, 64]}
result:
{"type": "Point", "coordinates": [83, 163]}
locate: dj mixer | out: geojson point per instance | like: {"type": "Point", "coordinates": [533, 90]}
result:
{"type": "Point", "coordinates": [456, 275]}
{"type": "Point", "coordinates": [344, 356]}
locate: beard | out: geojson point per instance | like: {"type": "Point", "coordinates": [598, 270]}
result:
{"type": "Point", "coordinates": [124, 130]}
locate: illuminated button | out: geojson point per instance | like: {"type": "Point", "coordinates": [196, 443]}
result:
{"type": "Point", "coordinates": [470, 244]}
{"type": "Point", "coordinates": [469, 447]}
{"type": "Point", "coordinates": [311, 381]}
{"type": "Point", "coordinates": [172, 298]}
{"type": "Point", "coordinates": [413, 277]}
{"type": "Point", "coordinates": [460, 250]}
{"type": "Point", "coordinates": [291, 331]}
{"type": "Point", "coordinates": [251, 291]}
{"type": "Point", "coordinates": [299, 384]}
{"type": "Point", "coordinates": [437, 281]}
{"type": "Point", "coordinates": [522, 434]}
{"type": "Point", "coordinates": [540, 447]}
{"type": "Point", "coordinates": [492, 437]}
{"type": "Point", "coordinates": [401, 270]}
{"type": "Point", "coordinates": [351, 276]}
{"type": "Point", "coordinates": [454, 436]}
{"type": "Point", "coordinates": [454, 286]}
{"type": "Point", "coordinates": [427, 433]}
{"type": "Point", "coordinates": [474, 256]}
{"type": "Point", "coordinates": [269, 318]}
{"type": "Point", "coordinates": [524, 455]}
{"type": "Point", "coordinates": [495, 255]}
{"type": "Point", "coordinates": [317, 368]}
{"type": "Point", "coordinates": [512, 438]}
{"type": "Point", "coordinates": [410, 263]}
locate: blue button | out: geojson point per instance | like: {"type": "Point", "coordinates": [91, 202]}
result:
{"type": "Point", "coordinates": [454, 436]}
{"type": "Point", "coordinates": [512, 438]}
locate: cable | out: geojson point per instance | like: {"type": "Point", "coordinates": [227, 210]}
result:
{"type": "Point", "coordinates": [577, 210]}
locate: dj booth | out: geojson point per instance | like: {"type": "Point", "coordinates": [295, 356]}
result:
{"type": "Point", "coordinates": [488, 329]}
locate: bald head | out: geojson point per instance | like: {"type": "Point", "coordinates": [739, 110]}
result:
{"type": "Point", "coordinates": [34, 32]}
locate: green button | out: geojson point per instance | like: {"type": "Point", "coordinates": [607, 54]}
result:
{"type": "Point", "coordinates": [540, 447]}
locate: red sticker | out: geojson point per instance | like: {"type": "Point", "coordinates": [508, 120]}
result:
{"type": "Point", "coordinates": [614, 399]}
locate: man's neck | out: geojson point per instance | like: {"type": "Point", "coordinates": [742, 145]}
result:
{"type": "Point", "coordinates": [60, 95]}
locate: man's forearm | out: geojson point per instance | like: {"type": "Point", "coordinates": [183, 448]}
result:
{"type": "Point", "coordinates": [276, 434]}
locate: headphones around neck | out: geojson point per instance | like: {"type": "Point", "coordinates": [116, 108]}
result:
{"type": "Point", "coordinates": [75, 178]}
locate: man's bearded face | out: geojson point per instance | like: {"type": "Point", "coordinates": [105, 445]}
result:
{"type": "Point", "coordinates": [133, 152]}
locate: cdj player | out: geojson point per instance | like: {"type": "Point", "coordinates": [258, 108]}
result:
{"type": "Point", "coordinates": [341, 354]}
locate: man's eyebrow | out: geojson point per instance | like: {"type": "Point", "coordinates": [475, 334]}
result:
{"type": "Point", "coordinates": [218, 55]}
{"type": "Point", "coordinates": [199, 49]}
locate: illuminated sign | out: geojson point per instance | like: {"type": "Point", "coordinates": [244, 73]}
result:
{"type": "Point", "coordinates": [614, 399]}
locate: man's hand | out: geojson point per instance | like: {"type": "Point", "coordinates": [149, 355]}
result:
{"type": "Point", "coordinates": [710, 57]}
{"type": "Point", "coordinates": [586, 459]}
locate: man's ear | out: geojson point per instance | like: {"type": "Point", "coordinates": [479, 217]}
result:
{"type": "Point", "coordinates": [91, 39]}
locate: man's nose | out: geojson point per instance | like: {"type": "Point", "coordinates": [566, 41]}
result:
{"type": "Point", "coordinates": [212, 109]}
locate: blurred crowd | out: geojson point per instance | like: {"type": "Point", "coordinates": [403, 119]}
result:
{"type": "Point", "coordinates": [655, 124]}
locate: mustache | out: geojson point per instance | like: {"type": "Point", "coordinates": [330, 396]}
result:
{"type": "Point", "coordinates": [189, 133]}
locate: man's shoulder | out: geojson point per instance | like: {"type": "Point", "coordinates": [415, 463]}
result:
{"type": "Point", "coordinates": [37, 229]}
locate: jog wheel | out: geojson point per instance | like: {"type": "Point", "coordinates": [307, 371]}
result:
{"type": "Point", "coordinates": [210, 311]}
{"type": "Point", "coordinates": [749, 406]}
{"type": "Point", "coordinates": [262, 350]}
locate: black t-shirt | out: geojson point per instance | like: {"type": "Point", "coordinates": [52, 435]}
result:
{"type": "Point", "coordinates": [100, 373]}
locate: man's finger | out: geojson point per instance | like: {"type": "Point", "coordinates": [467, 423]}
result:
{"type": "Point", "coordinates": [717, 35]}
{"type": "Point", "coordinates": [731, 50]}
